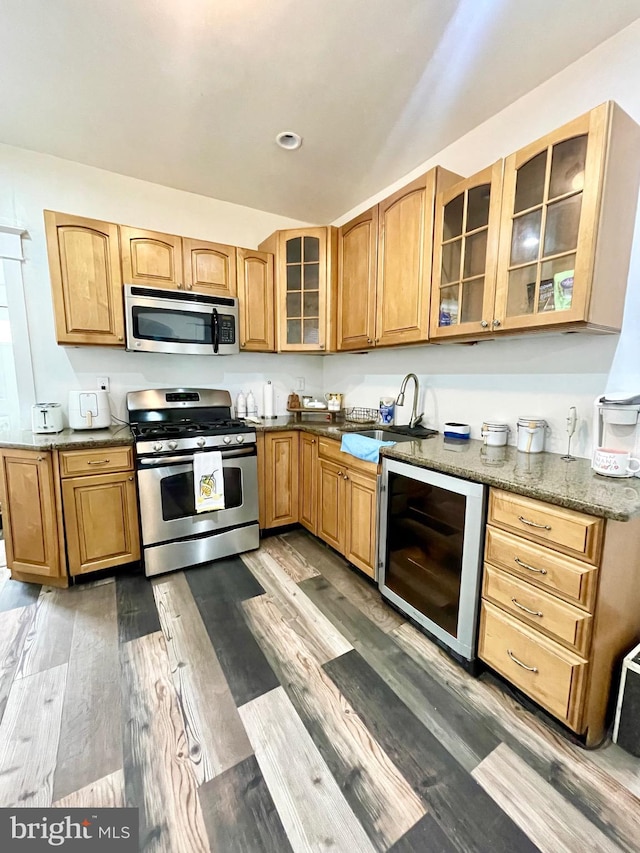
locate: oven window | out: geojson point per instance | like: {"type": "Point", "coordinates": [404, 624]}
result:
{"type": "Point", "coordinates": [176, 494]}
{"type": "Point", "coordinates": [162, 324]}
{"type": "Point", "coordinates": [425, 538]}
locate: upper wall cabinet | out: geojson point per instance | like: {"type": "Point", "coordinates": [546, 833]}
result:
{"type": "Point", "coordinates": [568, 212]}
{"type": "Point", "coordinates": [84, 263]}
{"type": "Point", "coordinates": [151, 258]}
{"type": "Point", "coordinates": [463, 285]}
{"type": "Point", "coordinates": [209, 267]}
{"type": "Point", "coordinates": [385, 267]}
{"type": "Point", "coordinates": [305, 288]}
{"type": "Point", "coordinates": [255, 295]}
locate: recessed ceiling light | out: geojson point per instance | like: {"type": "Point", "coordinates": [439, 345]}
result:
{"type": "Point", "coordinates": [289, 140]}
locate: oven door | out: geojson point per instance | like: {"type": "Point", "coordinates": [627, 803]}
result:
{"type": "Point", "coordinates": [192, 323]}
{"type": "Point", "coordinates": [167, 500]}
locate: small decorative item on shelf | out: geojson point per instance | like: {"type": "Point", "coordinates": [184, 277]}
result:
{"type": "Point", "coordinates": [361, 415]}
{"type": "Point", "coordinates": [293, 401]}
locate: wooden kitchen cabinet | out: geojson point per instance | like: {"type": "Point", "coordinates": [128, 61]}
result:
{"type": "Point", "coordinates": [568, 212]}
{"type": "Point", "coordinates": [465, 254]}
{"type": "Point", "coordinates": [151, 258]}
{"type": "Point", "coordinates": [27, 486]}
{"type": "Point", "coordinates": [209, 268]}
{"type": "Point", "coordinates": [305, 288]}
{"type": "Point", "coordinates": [308, 481]}
{"type": "Point", "coordinates": [560, 605]}
{"type": "Point", "coordinates": [101, 521]}
{"type": "Point", "coordinates": [347, 505]}
{"type": "Point", "coordinates": [280, 478]}
{"type": "Point", "coordinates": [385, 267]}
{"type": "Point", "coordinates": [256, 300]}
{"type": "Point", "coordinates": [86, 280]}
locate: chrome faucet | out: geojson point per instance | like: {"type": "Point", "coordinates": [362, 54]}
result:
{"type": "Point", "coordinates": [415, 419]}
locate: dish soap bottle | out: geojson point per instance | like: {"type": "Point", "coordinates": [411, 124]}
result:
{"type": "Point", "coordinates": [252, 407]}
{"type": "Point", "coordinates": [241, 405]}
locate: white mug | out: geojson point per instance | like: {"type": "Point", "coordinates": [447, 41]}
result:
{"type": "Point", "coordinates": [614, 463]}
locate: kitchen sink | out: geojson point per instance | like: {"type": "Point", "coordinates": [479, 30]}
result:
{"type": "Point", "coordinates": [384, 435]}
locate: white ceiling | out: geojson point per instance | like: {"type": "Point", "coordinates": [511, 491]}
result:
{"type": "Point", "coordinates": [191, 93]}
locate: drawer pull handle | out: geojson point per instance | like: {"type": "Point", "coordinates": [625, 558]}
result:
{"type": "Point", "coordinates": [531, 568]}
{"type": "Point", "coordinates": [534, 523]}
{"type": "Point", "coordinates": [519, 662]}
{"type": "Point", "coordinates": [98, 461]}
{"type": "Point", "coordinates": [526, 609]}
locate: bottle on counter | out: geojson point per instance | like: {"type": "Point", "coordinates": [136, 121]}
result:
{"type": "Point", "coordinates": [252, 406]}
{"type": "Point", "coordinates": [241, 405]}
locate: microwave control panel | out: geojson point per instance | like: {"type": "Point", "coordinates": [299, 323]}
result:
{"type": "Point", "coordinates": [227, 329]}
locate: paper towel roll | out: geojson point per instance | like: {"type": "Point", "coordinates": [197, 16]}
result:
{"type": "Point", "coordinates": [267, 400]}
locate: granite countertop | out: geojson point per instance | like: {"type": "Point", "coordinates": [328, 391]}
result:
{"type": "Point", "coordinates": [68, 439]}
{"type": "Point", "coordinates": [545, 476]}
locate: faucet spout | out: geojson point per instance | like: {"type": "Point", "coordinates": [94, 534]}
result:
{"type": "Point", "coordinates": [415, 418]}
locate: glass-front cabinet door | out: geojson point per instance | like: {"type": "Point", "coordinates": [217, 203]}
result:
{"type": "Point", "coordinates": [549, 225]}
{"type": "Point", "coordinates": [467, 220]}
{"type": "Point", "coordinates": [302, 284]}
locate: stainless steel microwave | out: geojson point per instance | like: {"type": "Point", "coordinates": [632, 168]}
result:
{"type": "Point", "coordinates": [168, 321]}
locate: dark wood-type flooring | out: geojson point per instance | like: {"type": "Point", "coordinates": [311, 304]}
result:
{"type": "Point", "coordinates": [274, 703]}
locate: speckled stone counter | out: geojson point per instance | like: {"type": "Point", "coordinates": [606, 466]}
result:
{"type": "Point", "coordinates": [544, 476]}
{"type": "Point", "coordinates": [68, 439]}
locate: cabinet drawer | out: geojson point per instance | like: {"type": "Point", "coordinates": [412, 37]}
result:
{"type": "Point", "coordinates": [570, 579]}
{"type": "Point", "coordinates": [546, 671]}
{"type": "Point", "coordinates": [76, 462]}
{"type": "Point", "coordinates": [568, 531]}
{"type": "Point", "coordinates": [561, 621]}
{"type": "Point", "coordinates": [329, 448]}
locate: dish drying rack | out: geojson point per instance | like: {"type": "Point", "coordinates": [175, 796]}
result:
{"type": "Point", "coordinates": [361, 415]}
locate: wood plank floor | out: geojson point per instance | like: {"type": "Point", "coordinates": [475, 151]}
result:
{"type": "Point", "coordinates": [274, 703]}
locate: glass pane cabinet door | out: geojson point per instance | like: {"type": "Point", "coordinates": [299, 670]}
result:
{"type": "Point", "coordinates": [539, 261]}
{"type": "Point", "coordinates": [466, 224]}
{"type": "Point", "coordinates": [303, 305]}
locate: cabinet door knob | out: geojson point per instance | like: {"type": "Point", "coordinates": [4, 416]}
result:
{"type": "Point", "coordinates": [340, 474]}
{"type": "Point", "coordinates": [377, 340]}
{"type": "Point", "coordinates": [40, 459]}
{"type": "Point", "coordinates": [484, 324]}
{"type": "Point", "coordinates": [179, 286]}
{"type": "Point", "coordinates": [131, 479]}
{"type": "Point", "coordinates": [496, 323]}
{"type": "Point", "coordinates": [344, 477]}
{"type": "Point", "coordinates": [321, 346]}
{"type": "Point", "coordinates": [313, 441]}
{"type": "Point", "coordinates": [369, 340]}
{"type": "Point", "coordinates": [242, 345]}
{"type": "Point", "coordinates": [120, 338]}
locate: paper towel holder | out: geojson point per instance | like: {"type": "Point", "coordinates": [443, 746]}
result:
{"type": "Point", "coordinates": [268, 413]}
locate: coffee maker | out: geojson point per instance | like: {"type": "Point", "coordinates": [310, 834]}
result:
{"type": "Point", "coordinates": [617, 423]}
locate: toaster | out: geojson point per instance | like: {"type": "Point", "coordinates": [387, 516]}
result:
{"type": "Point", "coordinates": [89, 410]}
{"type": "Point", "coordinates": [46, 417]}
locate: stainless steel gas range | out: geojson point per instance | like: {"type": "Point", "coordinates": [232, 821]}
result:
{"type": "Point", "coordinates": [170, 427]}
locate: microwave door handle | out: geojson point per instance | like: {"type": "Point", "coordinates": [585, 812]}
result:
{"type": "Point", "coordinates": [216, 330]}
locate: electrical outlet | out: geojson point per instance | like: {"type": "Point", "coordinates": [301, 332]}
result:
{"type": "Point", "coordinates": [299, 383]}
{"type": "Point", "coordinates": [103, 383]}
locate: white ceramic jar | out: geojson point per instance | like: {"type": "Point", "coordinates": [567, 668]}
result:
{"type": "Point", "coordinates": [531, 434]}
{"type": "Point", "coordinates": [495, 434]}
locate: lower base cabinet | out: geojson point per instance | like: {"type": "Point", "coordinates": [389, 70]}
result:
{"type": "Point", "coordinates": [560, 605]}
{"type": "Point", "coordinates": [307, 479]}
{"type": "Point", "coordinates": [56, 524]}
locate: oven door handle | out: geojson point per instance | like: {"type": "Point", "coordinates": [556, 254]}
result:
{"type": "Point", "coordinates": [216, 330]}
{"type": "Point", "coordinates": [155, 462]}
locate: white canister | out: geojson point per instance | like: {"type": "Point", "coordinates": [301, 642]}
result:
{"type": "Point", "coordinates": [531, 433]}
{"type": "Point", "coordinates": [495, 434]}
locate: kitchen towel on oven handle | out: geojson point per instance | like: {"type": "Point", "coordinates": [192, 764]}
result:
{"type": "Point", "coordinates": [208, 481]}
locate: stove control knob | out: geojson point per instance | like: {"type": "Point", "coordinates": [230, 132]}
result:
{"type": "Point", "coordinates": [157, 446]}
{"type": "Point", "coordinates": [239, 439]}
{"type": "Point", "coordinates": [201, 442]}
{"type": "Point", "coordinates": [173, 445]}
{"type": "Point", "coordinates": [227, 439]}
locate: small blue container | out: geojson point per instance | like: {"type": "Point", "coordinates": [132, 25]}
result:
{"type": "Point", "coordinates": [387, 411]}
{"type": "Point", "coordinates": [455, 430]}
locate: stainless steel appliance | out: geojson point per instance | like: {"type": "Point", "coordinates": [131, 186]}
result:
{"type": "Point", "coordinates": [170, 426]}
{"type": "Point", "coordinates": [431, 532]}
{"type": "Point", "coordinates": [169, 321]}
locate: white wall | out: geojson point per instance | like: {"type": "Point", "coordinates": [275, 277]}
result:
{"type": "Point", "coordinates": [33, 182]}
{"type": "Point", "coordinates": [535, 375]}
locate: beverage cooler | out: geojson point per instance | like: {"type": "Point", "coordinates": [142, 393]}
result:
{"type": "Point", "coordinates": [431, 535]}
